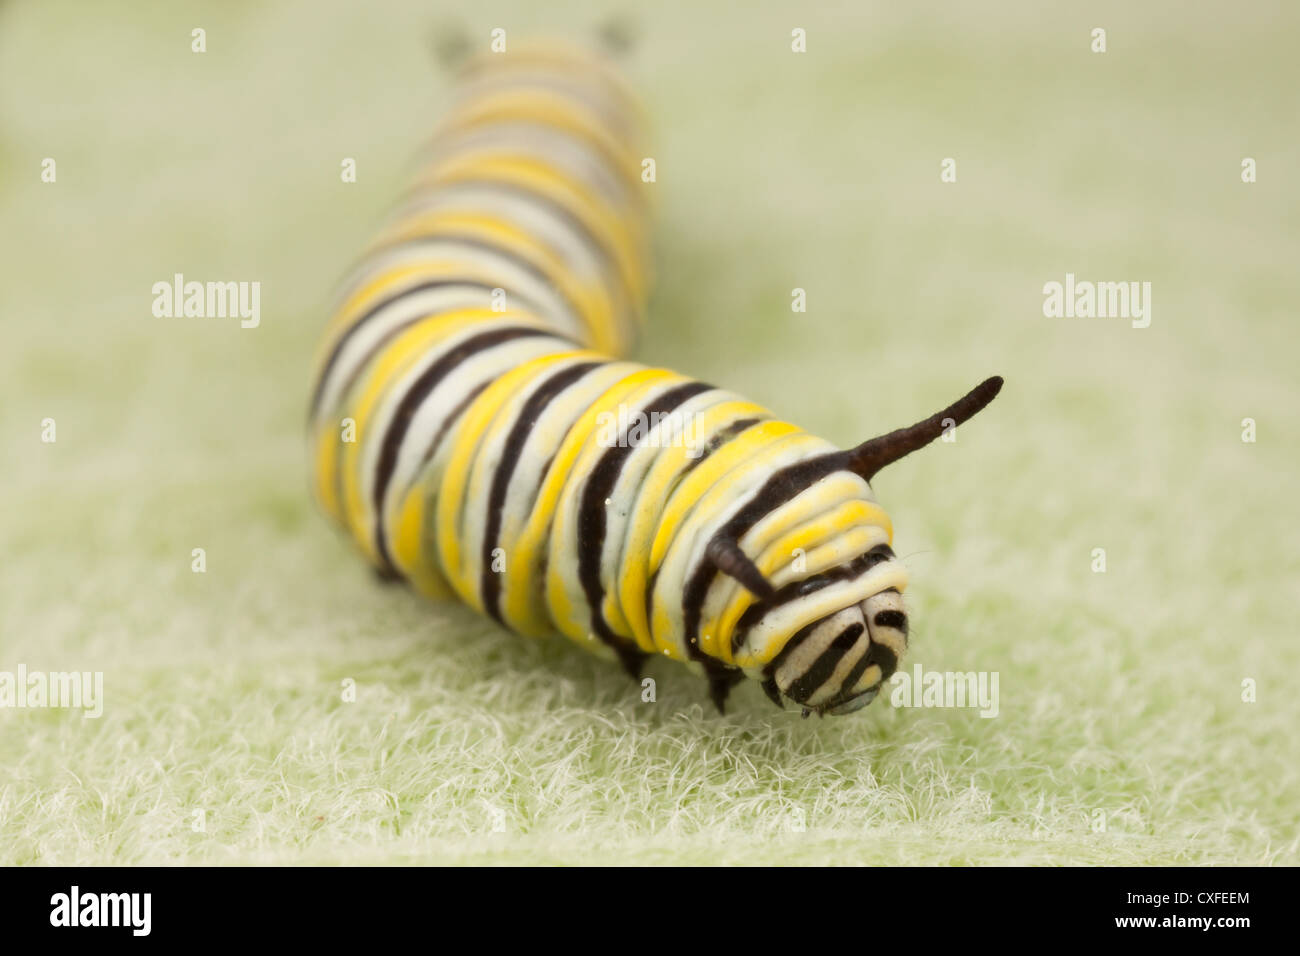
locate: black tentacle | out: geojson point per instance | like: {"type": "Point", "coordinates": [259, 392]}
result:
{"type": "Point", "coordinates": [726, 555]}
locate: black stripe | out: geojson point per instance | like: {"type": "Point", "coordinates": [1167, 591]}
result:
{"type": "Point", "coordinates": [791, 646]}
{"type": "Point", "coordinates": [613, 107]}
{"type": "Point", "coordinates": [807, 683]}
{"type": "Point", "coordinates": [797, 589]}
{"type": "Point", "coordinates": [592, 513]}
{"type": "Point", "coordinates": [721, 437]}
{"type": "Point", "coordinates": [489, 580]}
{"type": "Point", "coordinates": [414, 398]}
{"type": "Point", "coordinates": [853, 676]}
{"type": "Point", "coordinates": [452, 419]}
{"type": "Point", "coordinates": [370, 313]}
{"type": "Point", "coordinates": [773, 692]}
{"type": "Point", "coordinates": [446, 426]}
{"type": "Point", "coordinates": [509, 255]}
{"type": "Point", "coordinates": [894, 619]}
{"type": "Point", "coordinates": [887, 659]}
{"type": "Point", "coordinates": [446, 149]}
{"type": "Point", "coordinates": [781, 487]}
{"type": "Point", "coordinates": [607, 259]}
{"type": "Point", "coordinates": [881, 552]}
{"type": "Point", "coordinates": [778, 489]}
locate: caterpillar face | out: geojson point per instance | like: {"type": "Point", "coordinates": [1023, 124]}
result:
{"type": "Point", "coordinates": [821, 619]}
{"type": "Point", "coordinates": [474, 430]}
{"type": "Point", "coordinates": [837, 664]}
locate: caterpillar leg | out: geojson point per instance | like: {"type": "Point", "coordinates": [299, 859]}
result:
{"type": "Point", "coordinates": [386, 575]}
{"type": "Point", "coordinates": [773, 692]}
{"type": "Point", "coordinates": [721, 680]}
{"type": "Point", "coordinates": [632, 659]}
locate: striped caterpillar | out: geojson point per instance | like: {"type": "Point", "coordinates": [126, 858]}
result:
{"type": "Point", "coordinates": [471, 431]}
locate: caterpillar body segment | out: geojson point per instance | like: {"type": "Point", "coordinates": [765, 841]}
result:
{"type": "Point", "coordinates": [476, 430]}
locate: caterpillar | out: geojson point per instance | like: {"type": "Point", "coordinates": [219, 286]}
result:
{"type": "Point", "coordinates": [476, 430]}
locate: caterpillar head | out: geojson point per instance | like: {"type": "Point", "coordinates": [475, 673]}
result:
{"type": "Point", "coordinates": [857, 630]}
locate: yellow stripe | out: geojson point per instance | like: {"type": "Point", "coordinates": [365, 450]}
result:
{"type": "Point", "coordinates": [692, 507]}
{"type": "Point", "coordinates": [548, 108]}
{"type": "Point", "coordinates": [624, 242]}
{"type": "Point", "coordinates": [652, 493]}
{"type": "Point", "coordinates": [469, 436]}
{"type": "Point", "coordinates": [407, 546]}
{"type": "Point", "coordinates": [630, 395]}
{"type": "Point", "coordinates": [830, 599]}
{"type": "Point", "coordinates": [754, 441]}
{"type": "Point", "coordinates": [845, 532]}
{"type": "Point", "coordinates": [381, 285]}
{"type": "Point", "coordinates": [328, 432]}
{"type": "Point", "coordinates": [623, 237]}
{"type": "Point", "coordinates": [592, 303]}
{"type": "Point", "coordinates": [561, 56]}
{"type": "Point", "coordinates": [516, 601]}
{"type": "Point", "coordinates": [382, 375]}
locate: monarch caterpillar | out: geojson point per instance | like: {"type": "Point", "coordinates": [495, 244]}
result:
{"type": "Point", "coordinates": [475, 431]}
